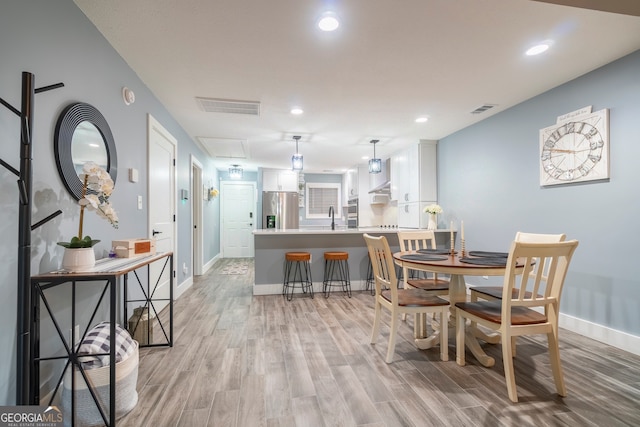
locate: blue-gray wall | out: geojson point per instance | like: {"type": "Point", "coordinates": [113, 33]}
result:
{"type": "Point", "coordinates": [57, 43]}
{"type": "Point", "coordinates": [488, 176]}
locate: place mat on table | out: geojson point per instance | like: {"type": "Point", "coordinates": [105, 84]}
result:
{"type": "Point", "coordinates": [434, 251]}
{"type": "Point", "coordinates": [485, 254]}
{"type": "Point", "coordinates": [498, 262]}
{"type": "Point", "coordinates": [423, 257]}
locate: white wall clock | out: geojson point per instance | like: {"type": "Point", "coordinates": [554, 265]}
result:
{"type": "Point", "coordinates": [575, 150]}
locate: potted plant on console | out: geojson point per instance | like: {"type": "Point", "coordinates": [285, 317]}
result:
{"type": "Point", "coordinates": [96, 190]}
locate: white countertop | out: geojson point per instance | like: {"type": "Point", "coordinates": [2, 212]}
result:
{"type": "Point", "coordinates": [327, 230]}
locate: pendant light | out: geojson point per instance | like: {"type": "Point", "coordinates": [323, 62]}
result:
{"type": "Point", "coordinates": [296, 159]}
{"type": "Point", "coordinates": [235, 172]}
{"type": "Point", "coordinates": [375, 165]}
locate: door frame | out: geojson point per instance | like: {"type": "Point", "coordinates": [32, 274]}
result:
{"type": "Point", "coordinates": [154, 125]}
{"type": "Point", "coordinates": [222, 200]}
{"type": "Point", "coordinates": [197, 232]}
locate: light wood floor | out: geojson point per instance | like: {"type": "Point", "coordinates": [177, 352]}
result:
{"type": "Point", "coordinates": [248, 361]}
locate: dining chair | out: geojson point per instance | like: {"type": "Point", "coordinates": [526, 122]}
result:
{"type": "Point", "coordinates": [519, 312]}
{"type": "Point", "coordinates": [412, 241]}
{"type": "Point", "coordinates": [495, 292]}
{"type": "Point", "coordinates": [400, 301]}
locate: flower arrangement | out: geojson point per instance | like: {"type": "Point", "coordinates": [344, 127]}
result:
{"type": "Point", "coordinates": [433, 209]}
{"type": "Point", "coordinates": [213, 193]}
{"type": "Point", "coordinates": [99, 181]}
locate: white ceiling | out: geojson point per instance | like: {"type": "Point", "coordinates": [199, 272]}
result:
{"type": "Point", "coordinates": [388, 63]}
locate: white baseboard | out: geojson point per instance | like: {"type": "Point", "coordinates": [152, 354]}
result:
{"type": "Point", "coordinates": [182, 287]}
{"type": "Point", "coordinates": [612, 337]}
{"type": "Point", "coordinates": [210, 264]}
{"type": "Point", "coordinates": [276, 289]}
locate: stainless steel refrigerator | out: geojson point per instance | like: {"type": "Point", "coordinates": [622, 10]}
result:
{"type": "Point", "coordinates": [280, 210]}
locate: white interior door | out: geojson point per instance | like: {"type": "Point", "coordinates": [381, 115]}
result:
{"type": "Point", "coordinates": [197, 200]}
{"type": "Point", "coordinates": [162, 204]}
{"type": "Point", "coordinates": [238, 206]}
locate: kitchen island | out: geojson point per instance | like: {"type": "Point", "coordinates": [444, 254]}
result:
{"type": "Point", "coordinates": [271, 245]}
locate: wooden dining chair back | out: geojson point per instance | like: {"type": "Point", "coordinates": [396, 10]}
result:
{"type": "Point", "coordinates": [400, 301]}
{"type": "Point", "coordinates": [541, 268]}
{"type": "Point", "coordinates": [495, 292]}
{"type": "Point", "coordinates": [413, 241]}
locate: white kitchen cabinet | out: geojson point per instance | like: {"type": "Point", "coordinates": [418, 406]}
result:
{"type": "Point", "coordinates": [279, 180]}
{"type": "Point", "coordinates": [411, 215]}
{"type": "Point", "coordinates": [351, 184]}
{"type": "Point", "coordinates": [414, 182]}
{"type": "Point", "coordinates": [414, 174]}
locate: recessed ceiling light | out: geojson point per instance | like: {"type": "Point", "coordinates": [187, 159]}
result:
{"type": "Point", "coordinates": [297, 111]}
{"type": "Point", "coordinates": [539, 48]}
{"type": "Point", "coordinates": [421, 119]}
{"type": "Point", "coordinates": [328, 21]}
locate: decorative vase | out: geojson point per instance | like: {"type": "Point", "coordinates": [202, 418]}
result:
{"type": "Point", "coordinates": [433, 222]}
{"type": "Point", "coordinates": [78, 259]}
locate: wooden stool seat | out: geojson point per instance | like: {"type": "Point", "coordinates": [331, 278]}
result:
{"type": "Point", "coordinates": [297, 256]}
{"type": "Point", "coordinates": [336, 256]}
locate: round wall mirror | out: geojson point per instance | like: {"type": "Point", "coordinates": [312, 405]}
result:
{"type": "Point", "coordinates": [82, 135]}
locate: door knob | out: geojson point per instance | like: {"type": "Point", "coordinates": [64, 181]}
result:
{"type": "Point", "coordinates": [154, 232]}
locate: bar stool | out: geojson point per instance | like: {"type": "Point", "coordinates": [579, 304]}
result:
{"type": "Point", "coordinates": [336, 272]}
{"type": "Point", "coordinates": [298, 263]}
{"type": "Point", "coordinates": [369, 285]}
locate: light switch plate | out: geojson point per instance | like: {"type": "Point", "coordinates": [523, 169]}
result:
{"type": "Point", "coordinates": [139, 203]}
{"type": "Point", "coordinates": [133, 175]}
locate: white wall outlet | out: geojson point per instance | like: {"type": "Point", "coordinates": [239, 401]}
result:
{"type": "Point", "coordinates": [485, 277]}
{"type": "Point", "coordinates": [185, 270]}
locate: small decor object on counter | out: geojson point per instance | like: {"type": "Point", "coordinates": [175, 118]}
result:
{"type": "Point", "coordinates": [433, 211]}
{"type": "Point", "coordinates": [129, 248]}
{"type": "Point", "coordinates": [96, 189]}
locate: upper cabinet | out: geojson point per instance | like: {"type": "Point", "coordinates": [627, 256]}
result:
{"type": "Point", "coordinates": [279, 180]}
{"type": "Point", "coordinates": [414, 174]}
{"type": "Point", "coordinates": [350, 185]}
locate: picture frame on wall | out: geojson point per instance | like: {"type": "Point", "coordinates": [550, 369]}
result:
{"type": "Point", "coordinates": [575, 149]}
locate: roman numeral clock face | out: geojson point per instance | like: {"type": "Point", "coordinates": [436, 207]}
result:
{"type": "Point", "coordinates": [575, 150]}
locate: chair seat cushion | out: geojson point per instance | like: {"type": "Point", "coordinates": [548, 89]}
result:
{"type": "Point", "coordinates": [429, 284]}
{"type": "Point", "coordinates": [496, 292]}
{"type": "Point", "coordinates": [415, 298]}
{"type": "Point", "coordinates": [492, 311]}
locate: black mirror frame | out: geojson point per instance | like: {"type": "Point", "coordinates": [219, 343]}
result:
{"type": "Point", "coordinates": [69, 119]}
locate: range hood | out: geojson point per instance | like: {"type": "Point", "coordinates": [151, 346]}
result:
{"type": "Point", "coordinates": [380, 183]}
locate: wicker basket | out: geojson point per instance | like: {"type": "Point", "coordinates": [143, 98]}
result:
{"type": "Point", "coordinates": [86, 411]}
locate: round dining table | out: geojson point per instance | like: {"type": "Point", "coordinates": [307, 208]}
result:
{"type": "Point", "coordinates": [456, 269]}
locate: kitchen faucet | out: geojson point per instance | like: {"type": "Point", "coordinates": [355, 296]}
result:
{"type": "Point", "coordinates": [333, 220]}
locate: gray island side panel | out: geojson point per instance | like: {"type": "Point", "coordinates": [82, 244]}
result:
{"type": "Point", "coordinates": [270, 249]}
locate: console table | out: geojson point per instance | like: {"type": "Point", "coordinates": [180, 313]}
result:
{"type": "Point", "coordinates": [105, 275]}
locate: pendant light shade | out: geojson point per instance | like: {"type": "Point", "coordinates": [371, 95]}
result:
{"type": "Point", "coordinates": [375, 165]}
{"type": "Point", "coordinates": [235, 172]}
{"type": "Point", "coordinates": [296, 159]}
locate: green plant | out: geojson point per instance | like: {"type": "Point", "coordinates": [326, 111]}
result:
{"type": "Point", "coordinates": [99, 182]}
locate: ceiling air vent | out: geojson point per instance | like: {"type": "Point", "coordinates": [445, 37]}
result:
{"type": "Point", "coordinates": [230, 106]}
{"type": "Point", "coordinates": [483, 108]}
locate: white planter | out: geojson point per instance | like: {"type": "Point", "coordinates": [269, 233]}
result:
{"type": "Point", "coordinates": [78, 259]}
{"type": "Point", "coordinates": [433, 222]}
